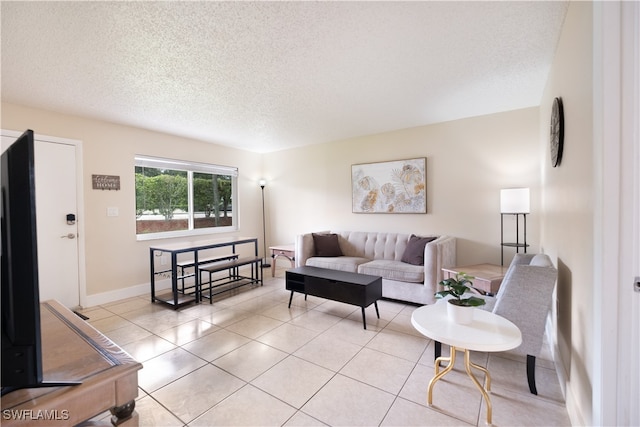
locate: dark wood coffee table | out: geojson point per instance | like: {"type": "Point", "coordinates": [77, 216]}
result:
{"type": "Point", "coordinates": [343, 286]}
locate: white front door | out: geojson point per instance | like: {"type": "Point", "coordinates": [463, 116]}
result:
{"type": "Point", "coordinates": [56, 197]}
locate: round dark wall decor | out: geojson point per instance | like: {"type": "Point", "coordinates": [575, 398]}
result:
{"type": "Point", "coordinates": [556, 133]}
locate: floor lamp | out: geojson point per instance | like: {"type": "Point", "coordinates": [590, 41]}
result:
{"type": "Point", "coordinates": [514, 201]}
{"type": "Point", "coordinates": [265, 264]}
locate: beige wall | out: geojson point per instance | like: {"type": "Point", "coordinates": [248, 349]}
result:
{"type": "Point", "coordinates": [114, 259]}
{"type": "Point", "coordinates": [568, 211]}
{"type": "Point", "coordinates": [468, 162]}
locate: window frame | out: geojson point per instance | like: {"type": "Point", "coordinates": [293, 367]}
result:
{"type": "Point", "coordinates": [190, 168]}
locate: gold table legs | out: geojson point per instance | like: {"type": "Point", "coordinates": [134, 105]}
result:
{"type": "Point", "coordinates": [468, 364]}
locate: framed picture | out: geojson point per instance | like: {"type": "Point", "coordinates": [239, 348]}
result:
{"type": "Point", "coordinates": [390, 187]}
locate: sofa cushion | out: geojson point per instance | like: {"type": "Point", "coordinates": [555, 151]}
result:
{"type": "Point", "coordinates": [393, 270]}
{"type": "Point", "coordinates": [414, 253]}
{"type": "Point", "coordinates": [326, 245]}
{"type": "Point", "coordinates": [342, 263]}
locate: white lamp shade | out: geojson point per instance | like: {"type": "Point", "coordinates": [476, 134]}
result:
{"type": "Point", "coordinates": [514, 200]}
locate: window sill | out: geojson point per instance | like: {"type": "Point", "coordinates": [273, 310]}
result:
{"type": "Point", "coordinates": [185, 233]}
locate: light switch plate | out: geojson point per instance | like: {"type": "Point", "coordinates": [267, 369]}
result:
{"type": "Point", "coordinates": [112, 211]}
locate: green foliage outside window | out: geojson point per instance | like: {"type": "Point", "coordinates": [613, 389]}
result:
{"type": "Point", "coordinates": [162, 200]}
{"type": "Point", "coordinates": [212, 196]}
{"type": "Point", "coordinates": [161, 193]}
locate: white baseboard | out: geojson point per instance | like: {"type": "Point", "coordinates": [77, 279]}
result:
{"type": "Point", "coordinates": [132, 291]}
{"type": "Point", "coordinates": [573, 409]}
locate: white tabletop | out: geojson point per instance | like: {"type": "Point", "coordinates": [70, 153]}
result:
{"type": "Point", "coordinates": [487, 332]}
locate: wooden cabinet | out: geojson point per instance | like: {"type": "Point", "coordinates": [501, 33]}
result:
{"type": "Point", "coordinates": [72, 350]}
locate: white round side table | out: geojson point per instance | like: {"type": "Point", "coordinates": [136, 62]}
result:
{"type": "Point", "coordinates": [488, 333]}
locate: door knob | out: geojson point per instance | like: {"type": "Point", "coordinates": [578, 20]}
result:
{"type": "Point", "coordinates": [68, 236]}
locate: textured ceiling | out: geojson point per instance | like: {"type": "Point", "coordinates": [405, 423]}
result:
{"type": "Point", "coordinates": [266, 76]}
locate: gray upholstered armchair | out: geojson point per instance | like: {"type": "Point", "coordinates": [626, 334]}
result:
{"type": "Point", "coordinates": [525, 298]}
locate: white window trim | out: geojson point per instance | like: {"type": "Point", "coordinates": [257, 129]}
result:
{"type": "Point", "coordinates": [190, 167]}
{"type": "Point", "coordinates": [160, 163]}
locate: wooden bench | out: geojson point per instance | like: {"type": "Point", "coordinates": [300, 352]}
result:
{"type": "Point", "coordinates": [190, 263]}
{"type": "Point", "coordinates": [234, 280]}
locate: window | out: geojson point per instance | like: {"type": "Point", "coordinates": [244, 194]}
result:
{"type": "Point", "coordinates": [175, 198]}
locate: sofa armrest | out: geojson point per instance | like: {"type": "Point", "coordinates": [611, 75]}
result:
{"type": "Point", "coordinates": [304, 247]}
{"type": "Point", "coordinates": [438, 254]}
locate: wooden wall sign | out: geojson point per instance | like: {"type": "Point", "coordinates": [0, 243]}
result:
{"type": "Point", "coordinates": [105, 182]}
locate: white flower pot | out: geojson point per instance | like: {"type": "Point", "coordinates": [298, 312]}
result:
{"type": "Point", "coordinates": [459, 314]}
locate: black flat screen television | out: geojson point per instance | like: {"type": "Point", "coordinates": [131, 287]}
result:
{"type": "Point", "coordinates": [21, 336]}
{"type": "Point", "coordinates": [21, 346]}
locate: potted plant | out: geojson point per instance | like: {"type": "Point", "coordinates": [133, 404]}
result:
{"type": "Point", "coordinates": [460, 309]}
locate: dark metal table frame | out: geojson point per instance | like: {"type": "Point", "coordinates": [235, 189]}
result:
{"type": "Point", "coordinates": [174, 249]}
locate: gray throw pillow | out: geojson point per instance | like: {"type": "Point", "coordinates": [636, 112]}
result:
{"type": "Point", "coordinates": [326, 245]}
{"type": "Point", "coordinates": [414, 253]}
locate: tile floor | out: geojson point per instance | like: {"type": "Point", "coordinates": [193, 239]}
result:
{"type": "Point", "coordinates": [248, 360]}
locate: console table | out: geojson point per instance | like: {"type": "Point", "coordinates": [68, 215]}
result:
{"type": "Point", "coordinates": [177, 298]}
{"type": "Point", "coordinates": [488, 333]}
{"type": "Point", "coordinates": [343, 286]}
{"type": "Point", "coordinates": [72, 350]}
{"type": "Point", "coordinates": [486, 277]}
{"type": "Point", "coordinates": [286, 251]}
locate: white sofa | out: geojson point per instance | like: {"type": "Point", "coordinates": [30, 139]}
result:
{"type": "Point", "coordinates": [380, 254]}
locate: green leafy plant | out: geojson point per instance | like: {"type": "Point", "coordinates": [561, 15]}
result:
{"type": "Point", "coordinates": [456, 287]}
